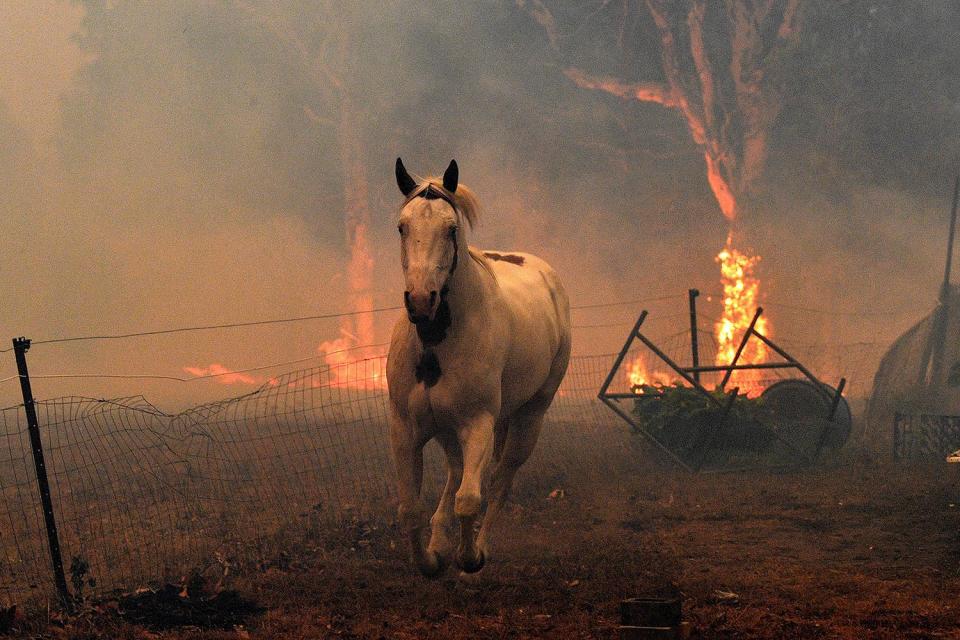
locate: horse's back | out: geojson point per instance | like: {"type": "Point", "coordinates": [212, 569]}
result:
{"type": "Point", "coordinates": [539, 317]}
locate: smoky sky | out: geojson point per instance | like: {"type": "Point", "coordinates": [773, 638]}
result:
{"type": "Point", "coordinates": [159, 168]}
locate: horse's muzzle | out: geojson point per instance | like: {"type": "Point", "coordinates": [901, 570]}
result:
{"type": "Point", "coordinates": [421, 306]}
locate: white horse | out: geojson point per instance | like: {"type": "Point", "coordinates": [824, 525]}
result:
{"type": "Point", "coordinates": [475, 364]}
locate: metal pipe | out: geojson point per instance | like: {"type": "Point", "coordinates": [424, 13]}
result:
{"type": "Point", "coordinates": [694, 347]}
{"type": "Point", "coordinates": [945, 288]}
{"type": "Point", "coordinates": [626, 416]}
{"type": "Point", "coordinates": [836, 399]}
{"type": "Point", "coordinates": [822, 440]}
{"type": "Point", "coordinates": [743, 344]}
{"type": "Point", "coordinates": [630, 396]}
{"type": "Point", "coordinates": [817, 383]}
{"type": "Point", "coordinates": [935, 343]}
{"type": "Point", "coordinates": [711, 443]}
{"type": "Point", "coordinates": [742, 367]}
{"type": "Point", "coordinates": [673, 365]}
{"type": "Point", "coordinates": [623, 353]}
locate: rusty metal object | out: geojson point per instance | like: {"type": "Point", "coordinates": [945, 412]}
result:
{"type": "Point", "coordinates": [650, 618]}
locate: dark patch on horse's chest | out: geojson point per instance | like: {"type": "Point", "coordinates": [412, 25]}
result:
{"type": "Point", "coordinates": [505, 257]}
{"type": "Point", "coordinates": [428, 369]}
{"type": "Point", "coordinates": [432, 333]}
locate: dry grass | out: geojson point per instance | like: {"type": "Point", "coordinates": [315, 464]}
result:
{"type": "Point", "coordinates": [849, 551]}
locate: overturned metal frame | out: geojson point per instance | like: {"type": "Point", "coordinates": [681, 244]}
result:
{"type": "Point", "coordinates": [692, 376]}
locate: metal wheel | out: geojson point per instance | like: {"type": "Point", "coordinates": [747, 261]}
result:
{"type": "Point", "coordinates": [798, 413]}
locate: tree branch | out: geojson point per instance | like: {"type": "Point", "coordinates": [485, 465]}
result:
{"type": "Point", "coordinates": [541, 15]}
{"type": "Point", "coordinates": [291, 40]}
{"type": "Point", "coordinates": [316, 118]}
{"type": "Point", "coordinates": [671, 69]}
{"type": "Point", "coordinates": [698, 51]}
{"type": "Point", "coordinates": [643, 92]}
{"type": "Point", "coordinates": [790, 25]}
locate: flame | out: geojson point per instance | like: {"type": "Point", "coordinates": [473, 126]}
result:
{"type": "Point", "coordinates": [741, 290]}
{"type": "Point", "coordinates": [638, 375]}
{"type": "Point", "coordinates": [223, 375]}
{"type": "Point", "coordinates": [352, 364]}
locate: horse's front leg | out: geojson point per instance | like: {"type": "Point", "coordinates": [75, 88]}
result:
{"type": "Point", "coordinates": [476, 444]}
{"type": "Point", "coordinates": [407, 445]}
{"type": "Point", "coordinates": [443, 520]}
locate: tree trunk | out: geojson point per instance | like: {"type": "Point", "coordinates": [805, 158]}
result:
{"type": "Point", "coordinates": [356, 223]}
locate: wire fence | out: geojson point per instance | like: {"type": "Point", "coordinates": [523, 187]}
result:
{"type": "Point", "coordinates": [143, 497]}
{"type": "Point", "coordinates": [925, 436]}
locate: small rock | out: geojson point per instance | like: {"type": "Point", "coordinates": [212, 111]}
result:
{"type": "Point", "coordinates": [725, 597]}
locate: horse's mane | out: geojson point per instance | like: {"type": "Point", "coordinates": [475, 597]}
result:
{"type": "Point", "coordinates": [465, 200]}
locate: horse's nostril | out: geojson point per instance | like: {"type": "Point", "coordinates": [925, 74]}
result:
{"type": "Point", "coordinates": [433, 296]}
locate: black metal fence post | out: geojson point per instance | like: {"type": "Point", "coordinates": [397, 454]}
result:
{"type": "Point", "coordinates": [20, 346]}
{"type": "Point", "coordinates": [694, 346]}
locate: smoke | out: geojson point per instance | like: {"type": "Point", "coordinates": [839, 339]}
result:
{"type": "Point", "coordinates": [159, 168]}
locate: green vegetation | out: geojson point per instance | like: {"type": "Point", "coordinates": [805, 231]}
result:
{"type": "Point", "coordinates": [686, 421]}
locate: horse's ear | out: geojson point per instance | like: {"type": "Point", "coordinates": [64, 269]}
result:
{"type": "Point", "coordinates": [451, 176]}
{"type": "Point", "coordinates": [404, 181]}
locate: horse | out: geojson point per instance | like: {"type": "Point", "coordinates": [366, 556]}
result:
{"type": "Point", "coordinates": [474, 364]}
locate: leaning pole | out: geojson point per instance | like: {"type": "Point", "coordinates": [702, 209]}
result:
{"type": "Point", "coordinates": [933, 352]}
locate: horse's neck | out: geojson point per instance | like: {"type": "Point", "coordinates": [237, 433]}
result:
{"type": "Point", "coordinates": [467, 287]}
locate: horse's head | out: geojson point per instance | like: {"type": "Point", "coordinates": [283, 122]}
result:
{"type": "Point", "coordinates": [430, 238]}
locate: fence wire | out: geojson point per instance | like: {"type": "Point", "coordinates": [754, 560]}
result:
{"type": "Point", "coordinates": [925, 436]}
{"type": "Point", "coordinates": [143, 497]}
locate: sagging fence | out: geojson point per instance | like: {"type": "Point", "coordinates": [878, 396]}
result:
{"type": "Point", "coordinates": [142, 497]}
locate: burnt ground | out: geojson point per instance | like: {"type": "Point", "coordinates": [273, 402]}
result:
{"type": "Point", "coordinates": [849, 550]}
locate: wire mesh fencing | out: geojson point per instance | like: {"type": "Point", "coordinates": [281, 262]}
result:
{"type": "Point", "coordinates": [143, 497]}
{"type": "Point", "coordinates": [925, 436]}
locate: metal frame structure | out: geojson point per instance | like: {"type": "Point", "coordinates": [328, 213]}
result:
{"type": "Point", "coordinates": [691, 375]}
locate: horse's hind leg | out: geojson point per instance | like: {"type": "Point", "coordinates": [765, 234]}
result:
{"type": "Point", "coordinates": [444, 518]}
{"type": "Point", "coordinates": [524, 430]}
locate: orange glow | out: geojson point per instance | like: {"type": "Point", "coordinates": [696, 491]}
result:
{"type": "Point", "coordinates": [223, 375]}
{"type": "Point", "coordinates": [351, 361]}
{"type": "Point", "coordinates": [638, 376]}
{"type": "Point", "coordinates": [741, 290]}
{"type": "Point", "coordinates": [350, 364]}
{"type": "Point", "coordinates": [721, 190]}
{"type": "Point", "coordinates": [360, 276]}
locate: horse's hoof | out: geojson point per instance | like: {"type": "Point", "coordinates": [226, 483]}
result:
{"type": "Point", "coordinates": [473, 567]}
{"type": "Point", "coordinates": [435, 568]}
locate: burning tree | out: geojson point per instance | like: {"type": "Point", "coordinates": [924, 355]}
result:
{"type": "Point", "coordinates": [714, 58]}
{"type": "Point", "coordinates": [719, 87]}
{"type": "Point", "coordinates": [322, 48]}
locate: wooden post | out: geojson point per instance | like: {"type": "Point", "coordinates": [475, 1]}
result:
{"type": "Point", "coordinates": [20, 346]}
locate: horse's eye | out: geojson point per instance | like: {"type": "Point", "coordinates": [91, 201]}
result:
{"type": "Point", "coordinates": [453, 232]}
{"type": "Point", "coordinates": [400, 229]}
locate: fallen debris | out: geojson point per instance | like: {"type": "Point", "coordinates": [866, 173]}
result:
{"type": "Point", "coordinates": [171, 607]}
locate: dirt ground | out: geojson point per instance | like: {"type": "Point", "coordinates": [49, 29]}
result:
{"type": "Point", "coordinates": [846, 550]}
